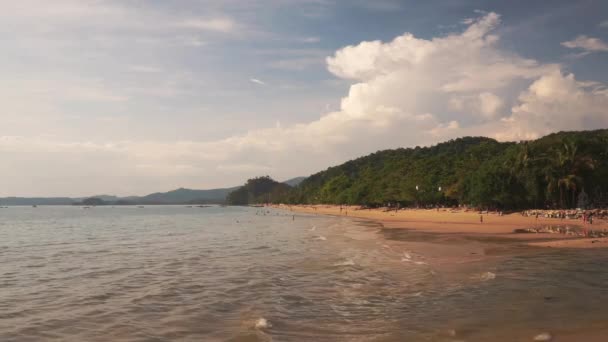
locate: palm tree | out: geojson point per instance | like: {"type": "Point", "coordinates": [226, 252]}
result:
{"type": "Point", "coordinates": [564, 171]}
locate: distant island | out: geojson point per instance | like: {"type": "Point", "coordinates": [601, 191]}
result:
{"type": "Point", "coordinates": [560, 170]}
{"type": "Point", "coordinates": [178, 196]}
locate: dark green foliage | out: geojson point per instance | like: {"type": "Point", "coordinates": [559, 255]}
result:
{"type": "Point", "coordinates": [259, 190]}
{"type": "Point", "coordinates": [477, 171]}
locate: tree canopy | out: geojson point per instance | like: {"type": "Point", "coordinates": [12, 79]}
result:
{"type": "Point", "coordinates": [259, 190]}
{"type": "Point", "coordinates": [548, 172]}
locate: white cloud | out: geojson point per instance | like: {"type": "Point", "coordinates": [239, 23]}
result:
{"type": "Point", "coordinates": [604, 24]}
{"type": "Point", "coordinates": [485, 105]}
{"type": "Point", "coordinates": [224, 25]}
{"type": "Point", "coordinates": [405, 92]}
{"type": "Point", "coordinates": [256, 81]}
{"type": "Point", "coordinates": [587, 44]}
{"type": "Point", "coordinates": [553, 103]}
{"type": "Point", "coordinates": [58, 90]}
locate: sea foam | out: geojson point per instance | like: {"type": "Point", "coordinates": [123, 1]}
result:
{"type": "Point", "coordinates": [262, 323]}
{"type": "Point", "coordinates": [347, 262]}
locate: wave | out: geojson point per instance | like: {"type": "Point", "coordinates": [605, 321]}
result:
{"type": "Point", "coordinates": [347, 262]}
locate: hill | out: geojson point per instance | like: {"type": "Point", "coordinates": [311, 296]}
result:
{"type": "Point", "coordinates": [258, 190]}
{"type": "Point", "coordinates": [37, 201]}
{"type": "Point", "coordinates": [182, 196]}
{"type": "Point", "coordinates": [561, 170]}
{"type": "Point", "coordinates": [178, 196]}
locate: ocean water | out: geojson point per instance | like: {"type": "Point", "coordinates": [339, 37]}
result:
{"type": "Point", "coordinates": [173, 273]}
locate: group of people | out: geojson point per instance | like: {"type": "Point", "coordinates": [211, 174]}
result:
{"type": "Point", "coordinates": [574, 214]}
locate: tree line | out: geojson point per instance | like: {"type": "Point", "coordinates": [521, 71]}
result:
{"type": "Point", "coordinates": [561, 170]}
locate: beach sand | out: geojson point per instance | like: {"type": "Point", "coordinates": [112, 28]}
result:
{"type": "Point", "coordinates": [447, 221]}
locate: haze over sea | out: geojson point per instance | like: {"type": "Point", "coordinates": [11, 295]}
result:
{"type": "Point", "coordinates": [212, 274]}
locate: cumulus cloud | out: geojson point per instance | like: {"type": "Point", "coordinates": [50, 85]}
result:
{"type": "Point", "coordinates": [405, 92]}
{"type": "Point", "coordinates": [587, 44]}
{"type": "Point", "coordinates": [556, 102]}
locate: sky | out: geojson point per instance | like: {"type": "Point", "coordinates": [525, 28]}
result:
{"type": "Point", "coordinates": [130, 97]}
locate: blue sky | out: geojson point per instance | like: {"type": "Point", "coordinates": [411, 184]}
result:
{"type": "Point", "coordinates": [144, 96]}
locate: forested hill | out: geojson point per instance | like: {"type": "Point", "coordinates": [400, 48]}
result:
{"type": "Point", "coordinates": [259, 190]}
{"type": "Point", "coordinates": [566, 169]}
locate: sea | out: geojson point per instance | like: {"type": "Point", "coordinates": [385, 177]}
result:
{"type": "Point", "coordinates": [188, 273]}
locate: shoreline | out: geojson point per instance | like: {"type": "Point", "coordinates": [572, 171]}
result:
{"type": "Point", "coordinates": [447, 221]}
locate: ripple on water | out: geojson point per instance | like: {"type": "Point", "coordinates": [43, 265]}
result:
{"type": "Point", "coordinates": [169, 273]}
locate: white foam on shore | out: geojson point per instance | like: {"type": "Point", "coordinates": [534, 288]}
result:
{"type": "Point", "coordinates": [347, 262]}
{"type": "Point", "coordinates": [262, 323]}
{"type": "Point", "coordinates": [487, 276]}
{"type": "Point", "coordinates": [543, 337]}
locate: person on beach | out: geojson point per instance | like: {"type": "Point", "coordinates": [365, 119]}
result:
{"type": "Point", "coordinates": [480, 218]}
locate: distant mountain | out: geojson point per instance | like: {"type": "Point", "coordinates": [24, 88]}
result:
{"type": "Point", "coordinates": [182, 196]}
{"type": "Point", "coordinates": [178, 196]}
{"type": "Point", "coordinates": [294, 181]}
{"type": "Point", "coordinates": [37, 201]}
{"type": "Point", "coordinates": [106, 198]}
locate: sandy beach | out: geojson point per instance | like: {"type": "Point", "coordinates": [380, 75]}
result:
{"type": "Point", "coordinates": [448, 221]}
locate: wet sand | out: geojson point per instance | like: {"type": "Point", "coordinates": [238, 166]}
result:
{"type": "Point", "coordinates": [446, 221]}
